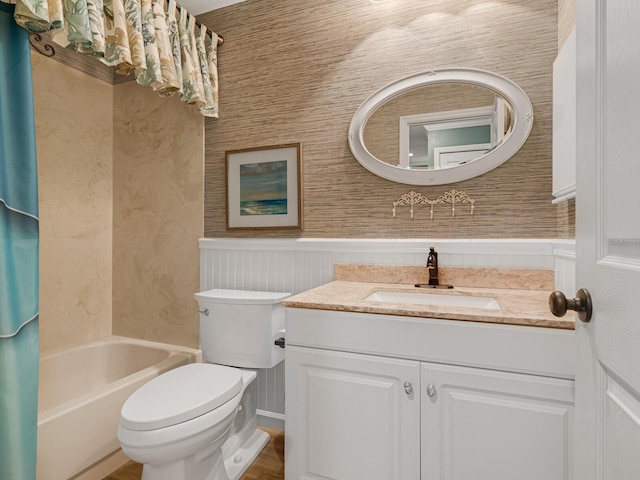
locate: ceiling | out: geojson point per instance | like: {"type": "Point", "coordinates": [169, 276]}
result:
{"type": "Point", "coordinates": [196, 7]}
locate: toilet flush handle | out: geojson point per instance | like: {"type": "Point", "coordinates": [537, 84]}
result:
{"type": "Point", "coordinates": [280, 342]}
{"type": "Point", "coordinates": [204, 312]}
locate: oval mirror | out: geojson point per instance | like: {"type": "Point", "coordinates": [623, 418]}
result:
{"type": "Point", "coordinates": [441, 126]}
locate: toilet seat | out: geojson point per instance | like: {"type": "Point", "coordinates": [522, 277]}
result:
{"type": "Point", "coordinates": [179, 395]}
{"type": "Point", "coordinates": [199, 421]}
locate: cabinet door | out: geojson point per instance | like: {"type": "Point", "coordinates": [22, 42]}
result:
{"type": "Point", "coordinates": [484, 424]}
{"type": "Point", "coordinates": [350, 416]}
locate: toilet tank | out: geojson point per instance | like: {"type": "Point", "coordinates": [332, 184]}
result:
{"type": "Point", "coordinates": [238, 327]}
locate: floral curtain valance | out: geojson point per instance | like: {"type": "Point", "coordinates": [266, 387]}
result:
{"type": "Point", "coordinates": [161, 44]}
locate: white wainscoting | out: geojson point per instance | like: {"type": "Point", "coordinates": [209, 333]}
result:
{"type": "Point", "coordinates": [296, 265]}
{"type": "Point", "coordinates": [564, 254]}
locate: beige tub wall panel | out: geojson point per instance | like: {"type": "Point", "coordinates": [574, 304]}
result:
{"type": "Point", "coordinates": [158, 216]}
{"type": "Point", "coordinates": [296, 71]}
{"type": "Point", "coordinates": [75, 199]}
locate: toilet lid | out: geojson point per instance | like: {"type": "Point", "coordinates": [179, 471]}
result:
{"type": "Point", "coordinates": [179, 395]}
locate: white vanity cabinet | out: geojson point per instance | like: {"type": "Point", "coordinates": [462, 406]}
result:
{"type": "Point", "coordinates": [483, 424]}
{"type": "Point", "coordinates": [386, 397]}
{"type": "Point", "coordinates": [352, 416]}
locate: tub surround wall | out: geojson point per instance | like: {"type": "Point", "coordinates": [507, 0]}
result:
{"type": "Point", "coordinates": [75, 150]}
{"type": "Point", "coordinates": [158, 216]}
{"type": "Point", "coordinates": [296, 70]}
{"type": "Point", "coordinates": [121, 209]}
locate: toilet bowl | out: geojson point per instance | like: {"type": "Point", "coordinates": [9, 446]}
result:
{"type": "Point", "coordinates": [198, 421]}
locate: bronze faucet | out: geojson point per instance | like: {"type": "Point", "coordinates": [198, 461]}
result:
{"type": "Point", "coordinates": [432, 266]}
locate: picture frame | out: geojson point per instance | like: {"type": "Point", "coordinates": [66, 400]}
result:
{"type": "Point", "coordinates": [264, 187]}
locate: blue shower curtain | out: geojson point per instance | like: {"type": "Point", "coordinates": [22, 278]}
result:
{"type": "Point", "coordinates": [19, 338]}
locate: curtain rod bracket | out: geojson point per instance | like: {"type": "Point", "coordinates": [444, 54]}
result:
{"type": "Point", "coordinates": [39, 45]}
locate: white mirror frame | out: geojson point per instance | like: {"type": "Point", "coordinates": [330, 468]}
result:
{"type": "Point", "coordinates": [512, 93]}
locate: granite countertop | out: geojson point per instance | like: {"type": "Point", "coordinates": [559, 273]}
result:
{"type": "Point", "coordinates": [518, 306]}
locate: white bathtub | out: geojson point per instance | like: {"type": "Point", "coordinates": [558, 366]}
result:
{"type": "Point", "coordinates": [81, 392]}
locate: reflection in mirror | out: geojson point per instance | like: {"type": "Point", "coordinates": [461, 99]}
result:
{"type": "Point", "coordinates": [438, 126]}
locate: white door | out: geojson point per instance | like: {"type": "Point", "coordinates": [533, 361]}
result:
{"type": "Point", "coordinates": [608, 239]}
{"type": "Point", "coordinates": [485, 424]}
{"type": "Point", "coordinates": [351, 416]}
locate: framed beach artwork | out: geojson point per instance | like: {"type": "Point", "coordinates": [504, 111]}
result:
{"type": "Point", "coordinates": [264, 187]}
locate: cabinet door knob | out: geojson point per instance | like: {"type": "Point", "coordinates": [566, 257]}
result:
{"type": "Point", "coordinates": [408, 388]}
{"type": "Point", "coordinates": [431, 390]}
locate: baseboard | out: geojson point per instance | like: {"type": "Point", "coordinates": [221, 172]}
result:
{"type": "Point", "coordinates": [270, 419]}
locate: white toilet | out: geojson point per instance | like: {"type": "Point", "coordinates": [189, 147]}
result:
{"type": "Point", "coordinates": [198, 421]}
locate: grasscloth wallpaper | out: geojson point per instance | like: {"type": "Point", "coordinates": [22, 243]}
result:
{"type": "Point", "coordinates": [566, 210]}
{"type": "Point", "coordinates": [296, 70]}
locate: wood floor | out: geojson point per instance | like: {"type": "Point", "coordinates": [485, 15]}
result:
{"type": "Point", "coordinates": [268, 466]}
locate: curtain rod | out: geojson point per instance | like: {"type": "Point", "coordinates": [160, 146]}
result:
{"type": "Point", "coordinates": [198, 23]}
{"type": "Point", "coordinates": [220, 38]}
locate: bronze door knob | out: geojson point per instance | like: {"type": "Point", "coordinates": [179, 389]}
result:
{"type": "Point", "coordinates": [559, 304]}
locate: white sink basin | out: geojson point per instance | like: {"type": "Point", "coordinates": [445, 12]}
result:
{"type": "Point", "coordinates": [424, 298]}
